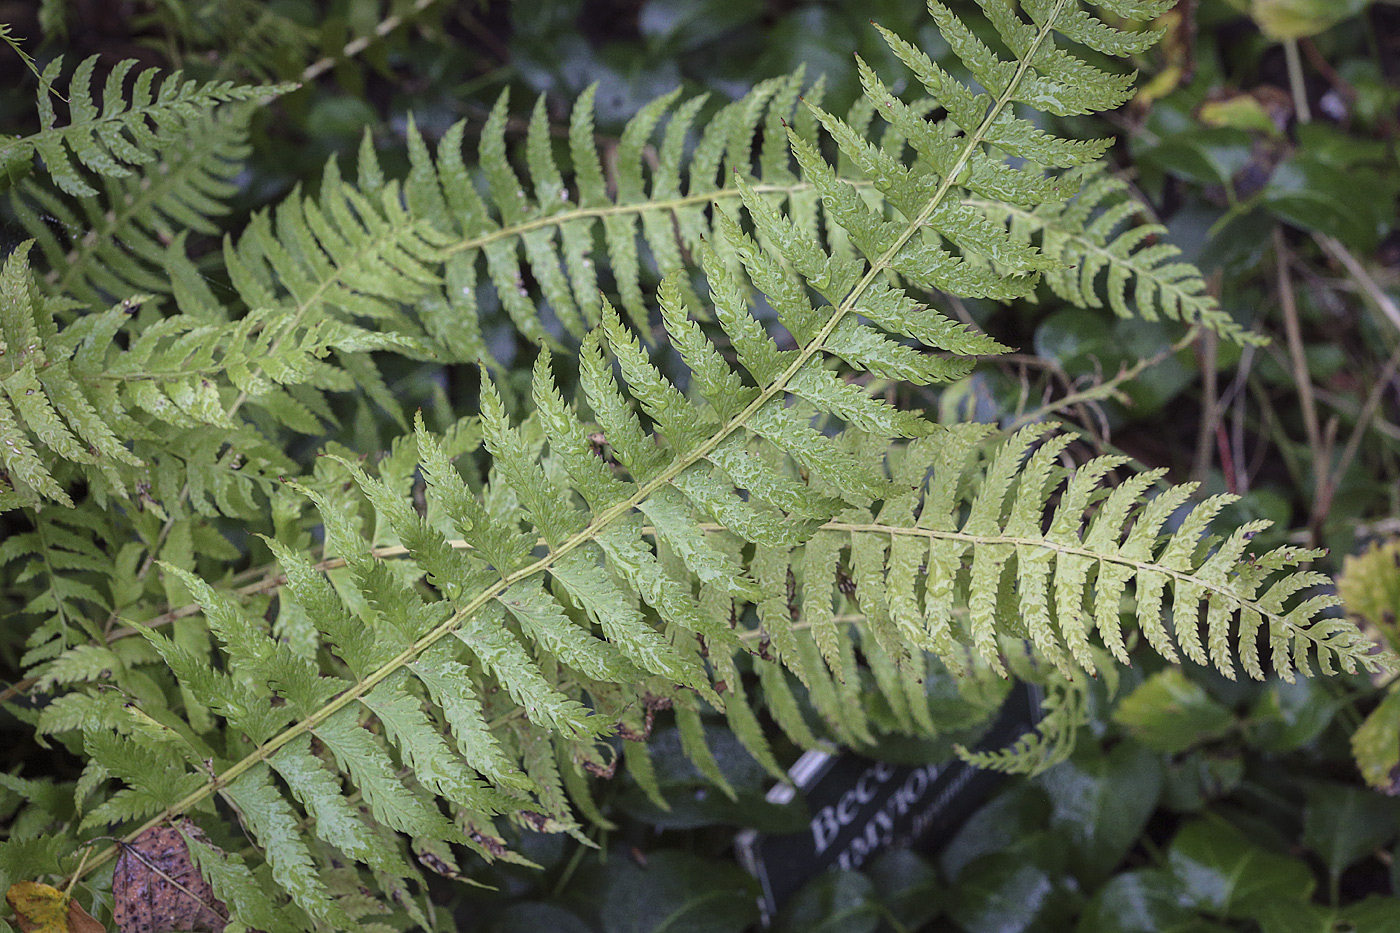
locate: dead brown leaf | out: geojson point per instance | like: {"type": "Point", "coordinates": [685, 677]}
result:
{"type": "Point", "coordinates": [157, 889]}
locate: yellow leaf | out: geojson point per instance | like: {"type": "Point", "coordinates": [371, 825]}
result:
{"type": "Point", "coordinates": [1297, 19]}
{"type": "Point", "coordinates": [1240, 111]}
{"type": "Point", "coordinates": [41, 908]}
{"type": "Point", "coordinates": [1370, 588]}
{"type": "Point", "coordinates": [1376, 746]}
{"type": "Point", "coordinates": [1177, 67]}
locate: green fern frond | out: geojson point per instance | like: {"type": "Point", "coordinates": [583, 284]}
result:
{"type": "Point", "coordinates": [536, 237]}
{"type": "Point", "coordinates": [268, 42]}
{"type": "Point", "coordinates": [108, 138]}
{"type": "Point", "coordinates": [408, 658]}
{"type": "Point", "coordinates": [395, 626]}
{"type": "Point", "coordinates": [8, 37]}
{"type": "Point", "coordinates": [42, 403]}
{"type": "Point", "coordinates": [105, 248]}
{"type": "Point", "coordinates": [251, 38]}
{"type": "Point", "coordinates": [552, 232]}
{"type": "Point", "coordinates": [1064, 711]}
{"type": "Point", "coordinates": [1140, 275]}
{"type": "Point", "coordinates": [568, 597]}
{"type": "Point", "coordinates": [305, 277]}
{"type": "Point", "coordinates": [53, 17]}
{"type": "Point", "coordinates": [322, 265]}
{"type": "Point", "coordinates": [1060, 588]}
{"type": "Point", "coordinates": [68, 397]}
{"type": "Point", "coordinates": [68, 557]}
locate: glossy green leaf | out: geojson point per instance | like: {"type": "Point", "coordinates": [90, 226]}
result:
{"type": "Point", "coordinates": [1002, 894]}
{"type": "Point", "coordinates": [1198, 779]}
{"type": "Point", "coordinates": [833, 902]}
{"type": "Point", "coordinates": [1289, 716]}
{"type": "Point", "coordinates": [1005, 823]}
{"type": "Point", "coordinates": [533, 917]}
{"type": "Point", "coordinates": [1376, 744]}
{"type": "Point", "coordinates": [1296, 19]}
{"type": "Point", "coordinates": [907, 887]}
{"type": "Point", "coordinates": [1221, 871]}
{"type": "Point", "coordinates": [1376, 914]}
{"type": "Point", "coordinates": [1100, 802]}
{"type": "Point", "coordinates": [676, 892]}
{"type": "Point", "coordinates": [1145, 901]}
{"type": "Point", "coordinates": [1170, 713]}
{"type": "Point", "coordinates": [1346, 824]}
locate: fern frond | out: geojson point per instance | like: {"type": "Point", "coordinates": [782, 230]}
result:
{"type": "Point", "coordinates": [344, 263]}
{"type": "Point", "coordinates": [109, 247]}
{"type": "Point", "coordinates": [1139, 271]}
{"type": "Point", "coordinates": [68, 397]}
{"type": "Point", "coordinates": [1062, 583]}
{"type": "Point", "coordinates": [1064, 712]}
{"type": "Point", "coordinates": [306, 277]}
{"type": "Point", "coordinates": [67, 559]}
{"type": "Point", "coordinates": [249, 37]}
{"type": "Point", "coordinates": [399, 659]}
{"type": "Point", "coordinates": [269, 42]}
{"type": "Point", "coordinates": [109, 137]}
{"type": "Point", "coordinates": [566, 597]}
{"type": "Point", "coordinates": [536, 237]}
{"type": "Point", "coordinates": [42, 402]}
{"type": "Point", "coordinates": [53, 17]}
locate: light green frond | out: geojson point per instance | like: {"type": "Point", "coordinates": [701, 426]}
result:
{"type": "Point", "coordinates": [632, 548]}
{"type": "Point", "coordinates": [46, 414]}
{"type": "Point", "coordinates": [1064, 711]}
{"type": "Point", "coordinates": [110, 137]}
{"type": "Point", "coordinates": [69, 396]}
{"type": "Point", "coordinates": [1102, 260]}
{"type": "Point", "coordinates": [113, 244]}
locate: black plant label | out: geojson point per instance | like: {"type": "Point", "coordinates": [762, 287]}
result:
{"type": "Point", "coordinates": [860, 808]}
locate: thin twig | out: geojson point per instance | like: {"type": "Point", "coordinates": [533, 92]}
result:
{"type": "Point", "coordinates": [1301, 107]}
{"type": "Point", "coordinates": [1107, 388]}
{"type": "Point", "coordinates": [1210, 405]}
{"type": "Point", "coordinates": [1234, 399]}
{"type": "Point", "coordinates": [1297, 355]}
{"type": "Point", "coordinates": [1323, 503]}
{"type": "Point", "coordinates": [360, 43]}
{"type": "Point", "coordinates": [1368, 285]}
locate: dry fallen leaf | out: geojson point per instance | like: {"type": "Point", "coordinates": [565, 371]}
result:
{"type": "Point", "coordinates": [40, 908]}
{"type": "Point", "coordinates": [156, 888]}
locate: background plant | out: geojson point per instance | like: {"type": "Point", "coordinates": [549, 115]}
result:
{"type": "Point", "coordinates": [196, 484]}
